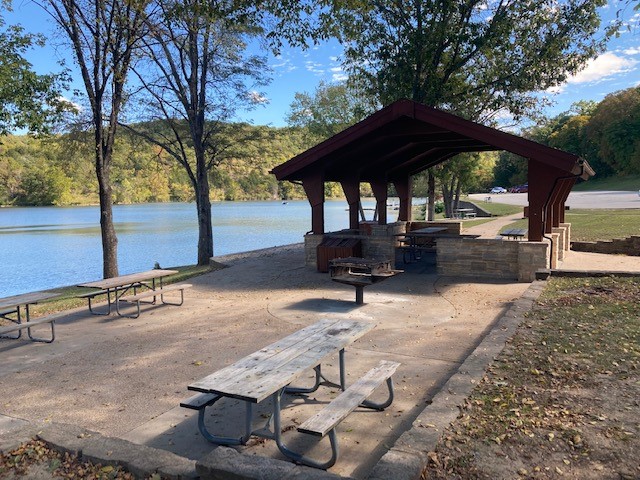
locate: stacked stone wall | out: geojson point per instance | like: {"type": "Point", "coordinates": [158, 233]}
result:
{"type": "Point", "coordinates": [498, 259]}
{"type": "Point", "coordinates": [617, 246]}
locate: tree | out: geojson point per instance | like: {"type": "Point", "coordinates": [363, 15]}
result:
{"type": "Point", "coordinates": [328, 111]}
{"type": "Point", "coordinates": [194, 79]}
{"type": "Point", "coordinates": [473, 58]}
{"type": "Point", "coordinates": [103, 35]}
{"type": "Point", "coordinates": [27, 100]}
{"type": "Point", "coordinates": [615, 129]}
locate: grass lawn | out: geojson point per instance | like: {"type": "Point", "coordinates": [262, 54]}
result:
{"type": "Point", "coordinates": [600, 224]}
{"type": "Point", "coordinates": [561, 401]}
{"type": "Point", "coordinates": [629, 183]}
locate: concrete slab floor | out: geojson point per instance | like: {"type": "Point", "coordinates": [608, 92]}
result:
{"type": "Point", "coordinates": [125, 378]}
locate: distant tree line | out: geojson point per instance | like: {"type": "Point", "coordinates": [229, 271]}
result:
{"type": "Point", "coordinates": [58, 170]}
{"type": "Point", "coordinates": [606, 134]}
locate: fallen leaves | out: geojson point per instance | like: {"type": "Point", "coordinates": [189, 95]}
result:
{"type": "Point", "coordinates": [558, 389]}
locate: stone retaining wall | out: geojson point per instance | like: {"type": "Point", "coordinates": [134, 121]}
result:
{"type": "Point", "coordinates": [500, 259]}
{"type": "Point", "coordinates": [623, 246]}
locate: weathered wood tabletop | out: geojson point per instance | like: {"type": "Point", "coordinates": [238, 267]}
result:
{"type": "Point", "coordinates": [26, 299]}
{"type": "Point", "coordinates": [130, 279]}
{"type": "Point", "coordinates": [259, 375]}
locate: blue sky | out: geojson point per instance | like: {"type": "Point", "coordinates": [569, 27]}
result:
{"type": "Point", "coordinates": [298, 70]}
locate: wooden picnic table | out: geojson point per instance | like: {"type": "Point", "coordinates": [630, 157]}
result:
{"type": "Point", "coordinates": [514, 233]}
{"type": "Point", "coordinates": [119, 286]}
{"type": "Point", "coordinates": [269, 372]}
{"type": "Point", "coordinates": [413, 248]}
{"type": "Point", "coordinates": [11, 307]}
{"type": "Point", "coordinates": [464, 212]}
{"type": "Point", "coordinates": [14, 304]}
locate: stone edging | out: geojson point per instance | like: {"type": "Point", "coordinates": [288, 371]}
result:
{"type": "Point", "coordinates": [408, 457]}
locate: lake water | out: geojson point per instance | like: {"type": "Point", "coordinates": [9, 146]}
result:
{"type": "Point", "coordinates": [47, 247]}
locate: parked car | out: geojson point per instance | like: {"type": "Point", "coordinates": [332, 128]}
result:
{"type": "Point", "coordinates": [498, 190]}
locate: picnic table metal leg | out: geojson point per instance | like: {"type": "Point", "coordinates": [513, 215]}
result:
{"type": "Point", "coordinates": [321, 379]}
{"type": "Point", "coordinates": [17, 320]}
{"type": "Point", "coordinates": [44, 340]}
{"type": "Point", "coordinates": [226, 440]}
{"type": "Point", "coordinates": [297, 457]}
{"type": "Point", "coordinates": [93, 311]}
{"type": "Point", "coordinates": [359, 294]}
{"type": "Point", "coordinates": [383, 405]}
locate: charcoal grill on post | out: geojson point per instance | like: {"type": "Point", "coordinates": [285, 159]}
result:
{"type": "Point", "coordinates": [360, 273]}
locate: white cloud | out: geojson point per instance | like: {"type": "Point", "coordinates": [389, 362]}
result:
{"type": "Point", "coordinates": [632, 51]}
{"type": "Point", "coordinates": [257, 98]}
{"type": "Point", "coordinates": [314, 67]}
{"type": "Point", "coordinates": [605, 66]}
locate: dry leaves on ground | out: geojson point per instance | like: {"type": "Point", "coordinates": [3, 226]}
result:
{"type": "Point", "coordinates": [563, 399]}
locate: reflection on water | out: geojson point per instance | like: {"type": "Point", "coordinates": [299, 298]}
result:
{"type": "Point", "coordinates": [46, 247]}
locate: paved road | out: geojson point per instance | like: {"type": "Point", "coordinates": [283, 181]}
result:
{"type": "Point", "coordinates": [603, 199]}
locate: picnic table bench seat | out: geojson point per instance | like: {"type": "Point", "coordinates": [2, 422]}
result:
{"type": "Point", "coordinates": [159, 292]}
{"type": "Point", "coordinates": [325, 421]}
{"type": "Point", "coordinates": [355, 395]}
{"type": "Point", "coordinates": [200, 401]}
{"type": "Point", "coordinates": [18, 327]}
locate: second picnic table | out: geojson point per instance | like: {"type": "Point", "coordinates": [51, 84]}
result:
{"type": "Point", "coordinates": [269, 372]}
{"type": "Point", "coordinates": [412, 249]}
{"type": "Point", "coordinates": [115, 287]}
{"type": "Point", "coordinates": [18, 304]}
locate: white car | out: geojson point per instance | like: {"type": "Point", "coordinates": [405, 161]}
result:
{"type": "Point", "coordinates": [498, 190]}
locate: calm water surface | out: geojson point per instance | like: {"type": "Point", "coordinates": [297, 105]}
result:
{"type": "Point", "coordinates": [46, 247]}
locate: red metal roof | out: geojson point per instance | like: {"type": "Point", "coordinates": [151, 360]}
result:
{"type": "Point", "coordinates": [406, 138]}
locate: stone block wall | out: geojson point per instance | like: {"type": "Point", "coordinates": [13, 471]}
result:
{"type": "Point", "coordinates": [493, 258]}
{"type": "Point", "coordinates": [617, 246]}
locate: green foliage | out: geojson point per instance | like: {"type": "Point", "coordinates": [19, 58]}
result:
{"type": "Point", "coordinates": [615, 129]}
{"type": "Point", "coordinates": [510, 169]}
{"type": "Point", "coordinates": [27, 100]}
{"type": "Point", "coordinates": [59, 170]}
{"type": "Point", "coordinates": [629, 183]}
{"type": "Point", "coordinates": [473, 58]}
{"type": "Point", "coordinates": [328, 111]}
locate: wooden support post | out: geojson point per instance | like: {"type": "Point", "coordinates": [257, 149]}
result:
{"type": "Point", "coordinates": [404, 187]}
{"type": "Point", "coordinates": [542, 179]}
{"type": "Point", "coordinates": [351, 191]}
{"type": "Point", "coordinates": [314, 188]}
{"type": "Point", "coordinates": [566, 189]}
{"type": "Point", "coordinates": [379, 187]}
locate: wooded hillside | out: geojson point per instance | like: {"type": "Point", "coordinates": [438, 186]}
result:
{"type": "Point", "coordinates": [58, 170]}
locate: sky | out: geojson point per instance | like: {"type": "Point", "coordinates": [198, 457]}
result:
{"type": "Point", "coordinates": [296, 70]}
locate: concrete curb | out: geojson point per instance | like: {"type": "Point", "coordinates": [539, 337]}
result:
{"type": "Point", "coordinates": [404, 461]}
{"type": "Point", "coordinates": [409, 456]}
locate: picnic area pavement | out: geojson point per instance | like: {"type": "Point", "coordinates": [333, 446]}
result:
{"type": "Point", "coordinates": [124, 377]}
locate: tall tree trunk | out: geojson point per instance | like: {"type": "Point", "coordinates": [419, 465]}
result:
{"type": "Point", "coordinates": [108, 231]}
{"type": "Point", "coordinates": [203, 205]}
{"type": "Point", "coordinates": [456, 198]}
{"type": "Point", "coordinates": [431, 192]}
